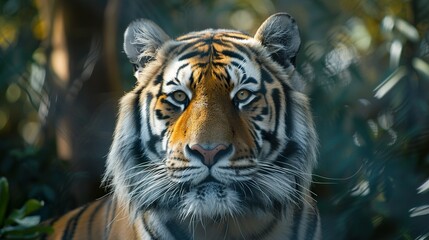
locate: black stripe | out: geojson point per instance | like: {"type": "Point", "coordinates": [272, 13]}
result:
{"type": "Point", "coordinates": [277, 105]}
{"type": "Point", "coordinates": [106, 223]}
{"type": "Point", "coordinates": [177, 231]}
{"type": "Point", "coordinates": [272, 139]}
{"type": "Point", "coordinates": [312, 225]}
{"type": "Point", "coordinates": [266, 231]}
{"type": "Point", "coordinates": [171, 50]}
{"type": "Point", "coordinates": [151, 144]}
{"type": "Point", "coordinates": [147, 228]}
{"type": "Point", "coordinates": [110, 217]}
{"type": "Point", "coordinates": [233, 54]}
{"type": "Point", "coordinates": [137, 148]}
{"type": "Point", "coordinates": [249, 80]}
{"type": "Point", "coordinates": [159, 115]}
{"type": "Point", "coordinates": [243, 50]}
{"type": "Point", "coordinates": [292, 148]}
{"type": "Point", "coordinates": [257, 117]}
{"type": "Point", "coordinates": [190, 55]}
{"type": "Point", "coordinates": [238, 66]}
{"type": "Point", "coordinates": [149, 98]}
{"type": "Point", "coordinates": [172, 82]}
{"type": "Point", "coordinates": [220, 76]}
{"type": "Point", "coordinates": [191, 80]}
{"type": "Point", "coordinates": [265, 76]}
{"type": "Point", "coordinates": [183, 48]}
{"type": "Point", "coordinates": [256, 126]}
{"type": "Point", "coordinates": [180, 68]}
{"type": "Point", "coordinates": [158, 79]}
{"type": "Point", "coordinates": [221, 42]}
{"type": "Point", "coordinates": [92, 216]}
{"type": "Point", "coordinates": [255, 140]}
{"type": "Point", "coordinates": [289, 115]}
{"type": "Point", "coordinates": [235, 35]}
{"type": "Point", "coordinates": [72, 224]}
{"type": "Point", "coordinates": [297, 218]}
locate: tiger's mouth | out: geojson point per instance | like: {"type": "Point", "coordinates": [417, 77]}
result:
{"type": "Point", "coordinates": [210, 188]}
{"type": "Point", "coordinates": [210, 179]}
{"type": "Point", "coordinates": [210, 198]}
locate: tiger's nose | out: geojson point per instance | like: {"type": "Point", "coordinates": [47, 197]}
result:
{"type": "Point", "coordinates": [209, 156]}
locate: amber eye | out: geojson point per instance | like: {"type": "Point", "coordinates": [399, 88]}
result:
{"type": "Point", "coordinates": [179, 96]}
{"type": "Point", "coordinates": [242, 95]}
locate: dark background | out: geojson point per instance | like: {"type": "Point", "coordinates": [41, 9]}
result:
{"type": "Point", "coordinates": [366, 62]}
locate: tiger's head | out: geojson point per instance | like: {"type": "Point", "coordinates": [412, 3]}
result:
{"type": "Point", "coordinates": [217, 124]}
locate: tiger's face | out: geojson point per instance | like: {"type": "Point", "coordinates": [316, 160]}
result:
{"type": "Point", "coordinates": [217, 113]}
{"type": "Point", "coordinates": [215, 125]}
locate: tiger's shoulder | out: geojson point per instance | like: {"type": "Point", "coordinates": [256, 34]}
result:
{"type": "Point", "coordinates": [104, 218]}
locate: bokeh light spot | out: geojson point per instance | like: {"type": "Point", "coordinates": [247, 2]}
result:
{"type": "Point", "coordinates": [30, 132]}
{"type": "Point", "coordinates": [4, 117]}
{"type": "Point", "coordinates": [242, 19]}
{"type": "Point", "coordinates": [13, 93]}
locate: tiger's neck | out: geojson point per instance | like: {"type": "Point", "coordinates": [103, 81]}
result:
{"type": "Point", "coordinates": [254, 225]}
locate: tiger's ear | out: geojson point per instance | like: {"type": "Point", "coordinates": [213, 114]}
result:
{"type": "Point", "coordinates": [142, 39]}
{"type": "Point", "coordinates": [280, 35]}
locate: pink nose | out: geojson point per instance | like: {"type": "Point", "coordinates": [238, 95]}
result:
{"type": "Point", "coordinates": [209, 155]}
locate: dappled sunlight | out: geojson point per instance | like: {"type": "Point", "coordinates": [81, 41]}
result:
{"type": "Point", "coordinates": [389, 82]}
{"type": "Point", "coordinates": [60, 58]}
{"type": "Point", "coordinates": [369, 82]}
{"type": "Point", "coordinates": [362, 189]}
{"type": "Point", "coordinates": [424, 187]}
{"type": "Point", "coordinates": [419, 211]}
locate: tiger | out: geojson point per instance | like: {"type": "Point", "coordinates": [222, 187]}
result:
{"type": "Point", "coordinates": [215, 141]}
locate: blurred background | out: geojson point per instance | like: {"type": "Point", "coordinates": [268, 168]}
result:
{"type": "Point", "coordinates": [366, 63]}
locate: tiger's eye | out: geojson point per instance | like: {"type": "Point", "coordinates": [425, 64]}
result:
{"type": "Point", "coordinates": [242, 95]}
{"type": "Point", "coordinates": [179, 96]}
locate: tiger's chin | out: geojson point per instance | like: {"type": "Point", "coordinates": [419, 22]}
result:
{"type": "Point", "coordinates": [210, 200]}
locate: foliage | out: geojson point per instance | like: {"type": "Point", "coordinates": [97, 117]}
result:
{"type": "Point", "coordinates": [27, 153]}
{"type": "Point", "coordinates": [19, 224]}
{"type": "Point", "coordinates": [35, 173]}
{"type": "Point", "coordinates": [369, 91]}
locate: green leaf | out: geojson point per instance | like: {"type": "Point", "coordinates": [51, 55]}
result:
{"type": "Point", "coordinates": [22, 232]}
{"type": "Point", "coordinates": [4, 198]}
{"type": "Point", "coordinates": [23, 236]}
{"type": "Point", "coordinates": [28, 221]}
{"type": "Point", "coordinates": [32, 205]}
{"type": "Point", "coordinates": [29, 207]}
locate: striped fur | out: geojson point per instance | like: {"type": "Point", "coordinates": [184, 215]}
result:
{"type": "Point", "coordinates": [216, 141]}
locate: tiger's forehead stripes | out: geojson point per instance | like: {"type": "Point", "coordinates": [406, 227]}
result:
{"type": "Point", "coordinates": [207, 34]}
{"type": "Point", "coordinates": [219, 54]}
{"type": "Point", "coordinates": [219, 46]}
